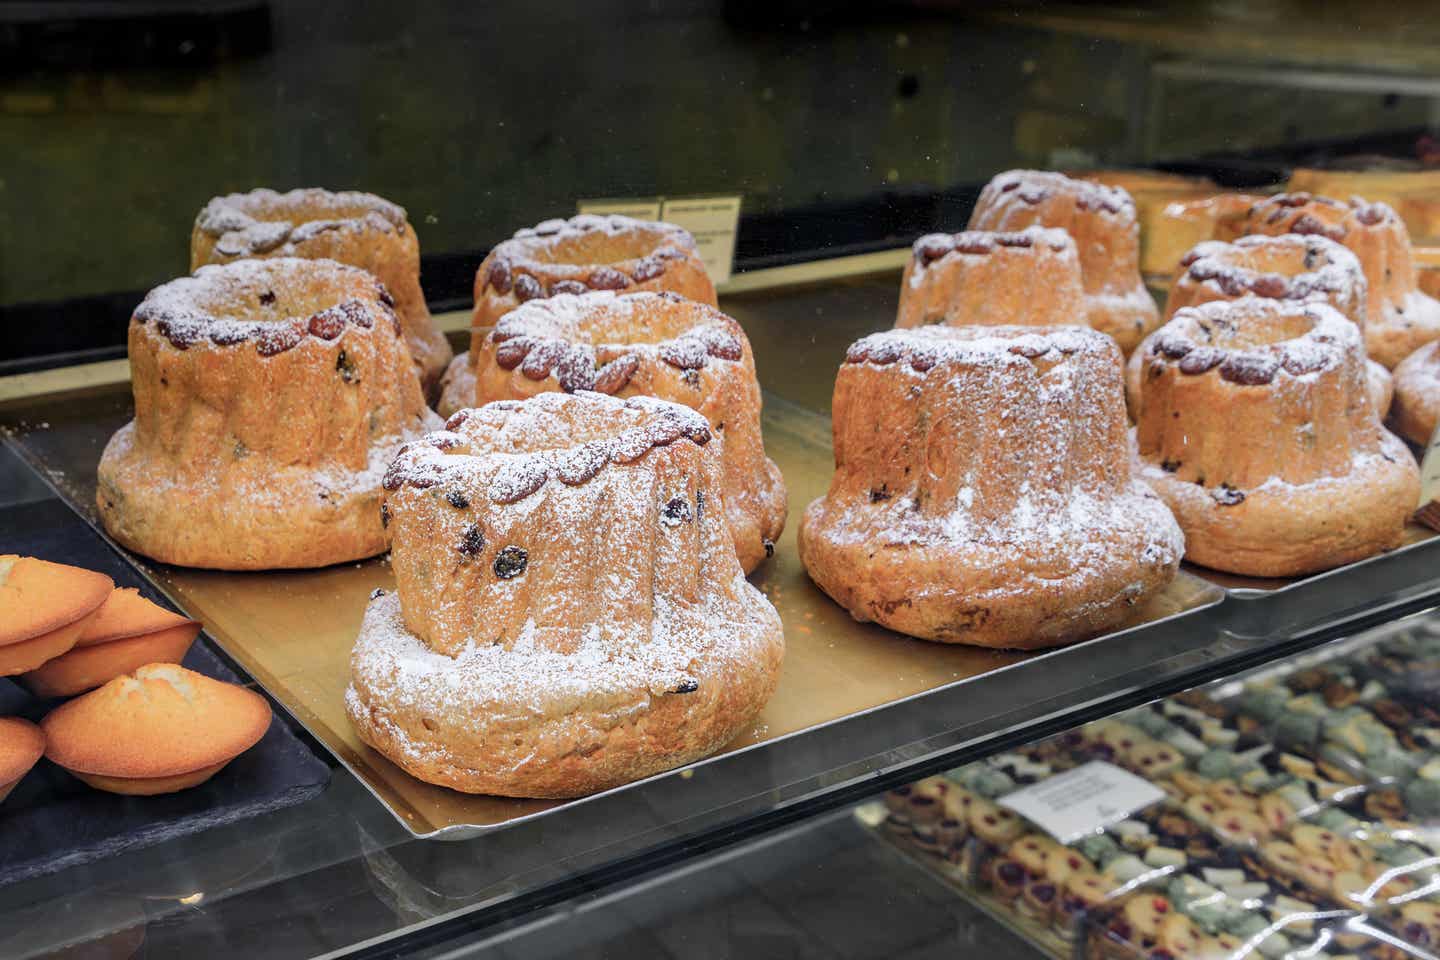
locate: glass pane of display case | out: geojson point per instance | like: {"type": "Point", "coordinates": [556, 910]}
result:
{"type": "Point", "coordinates": [811, 478]}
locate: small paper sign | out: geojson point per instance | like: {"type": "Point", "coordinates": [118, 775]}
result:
{"type": "Point", "coordinates": [712, 221]}
{"type": "Point", "coordinates": [1428, 512]}
{"type": "Point", "coordinates": [1079, 802]}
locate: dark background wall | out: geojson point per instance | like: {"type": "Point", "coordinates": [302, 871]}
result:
{"type": "Point", "coordinates": [119, 120]}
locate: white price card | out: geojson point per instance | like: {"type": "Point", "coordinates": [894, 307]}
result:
{"type": "Point", "coordinates": [643, 209]}
{"type": "Point", "coordinates": [1079, 802]}
{"type": "Point", "coordinates": [712, 221]}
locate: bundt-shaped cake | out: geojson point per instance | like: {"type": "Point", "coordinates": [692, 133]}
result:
{"type": "Point", "coordinates": [657, 345]}
{"type": "Point", "coordinates": [1399, 319]}
{"type": "Point", "coordinates": [574, 256]}
{"type": "Point", "coordinates": [982, 492]}
{"type": "Point", "coordinates": [569, 614]}
{"type": "Point", "coordinates": [1031, 278]}
{"type": "Point", "coordinates": [1102, 221]}
{"type": "Point", "coordinates": [1285, 267]}
{"type": "Point", "coordinates": [1417, 395]}
{"type": "Point", "coordinates": [359, 229]}
{"type": "Point", "coordinates": [1257, 428]}
{"type": "Point", "coordinates": [269, 397]}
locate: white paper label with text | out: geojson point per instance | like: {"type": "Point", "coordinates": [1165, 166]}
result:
{"type": "Point", "coordinates": [1079, 802]}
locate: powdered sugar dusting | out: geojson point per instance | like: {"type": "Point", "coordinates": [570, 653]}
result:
{"type": "Point", "coordinates": [263, 220]}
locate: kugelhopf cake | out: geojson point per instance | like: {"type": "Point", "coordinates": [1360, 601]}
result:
{"type": "Point", "coordinates": [569, 614]}
{"type": "Point", "coordinates": [649, 344]}
{"type": "Point", "coordinates": [583, 253]}
{"type": "Point", "coordinates": [1256, 427]}
{"type": "Point", "coordinates": [1286, 267]}
{"type": "Point", "coordinates": [986, 279]}
{"type": "Point", "coordinates": [21, 747]}
{"type": "Point", "coordinates": [44, 609]}
{"type": "Point", "coordinates": [359, 229]}
{"type": "Point", "coordinates": [1417, 395]}
{"type": "Point", "coordinates": [269, 397]}
{"type": "Point", "coordinates": [1102, 222]}
{"type": "Point", "coordinates": [158, 730]}
{"type": "Point", "coordinates": [1399, 319]}
{"type": "Point", "coordinates": [982, 493]}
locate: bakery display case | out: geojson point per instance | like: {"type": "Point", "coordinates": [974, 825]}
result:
{"type": "Point", "coordinates": [652, 543]}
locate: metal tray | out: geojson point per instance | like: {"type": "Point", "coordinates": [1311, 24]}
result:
{"type": "Point", "coordinates": [293, 630]}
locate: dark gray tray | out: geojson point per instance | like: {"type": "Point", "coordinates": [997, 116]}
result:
{"type": "Point", "coordinates": [53, 821]}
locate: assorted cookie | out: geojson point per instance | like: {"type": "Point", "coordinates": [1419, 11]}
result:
{"type": "Point", "coordinates": [152, 726]}
{"type": "Point", "coordinates": [44, 609]}
{"type": "Point", "coordinates": [127, 632]}
{"type": "Point", "coordinates": [21, 746]}
{"type": "Point", "coordinates": [160, 729]}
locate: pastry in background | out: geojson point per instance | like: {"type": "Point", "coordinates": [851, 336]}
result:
{"type": "Point", "coordinates": [656, 345]}
{"type": "Point", "coordinates": [1181, 225]}
{"type": "Point", "coordinates": [21, 747]}
{"type": "Point", "coordinates": [604, 630]}
{"type": "Point", "coordinates": [1152, 191]}
{"type": "Point", "coordinates": [1417, 395]}
{"type": "Point", "coordinates": [359, 229]}
{"type": "Point", "coordinates": [583, 253]}
{"type": "Point", "coordinates": [1102, 221]}
{"type": "Point", "coordinates": [1030, 278]}
{"type": "Point", "coordinates": [1399, 319]}
{"type": "Point", "coordinates": [158, 730]}
{"type": "Point", "coordinates": [269, 397]}
{"type": "Point", "coordinates": [127, 633]}
{"type": "Point", "coordinates": [1286, 267]}
{"type": "Point", "coordinates": [44, 609]}
{"type": "Point", "coordinates": [1413, 194]}
{"type": "Point", "coordinates": [982, 492]}
{"type": "Point", "coordinates": [1256, 426]}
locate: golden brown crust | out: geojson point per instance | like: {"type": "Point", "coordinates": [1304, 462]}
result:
{"type": "Point", "coordinates": [28, 654]}
{"type": "Point", "coordinates": [127, 614]}
{"type": "Point", "coordinates": [606, 631]}
{"type": "Point", "coordinates": [1417, 395]}
{"type": "Point", "coordinates": [1102, 220]}
{"type": "Point", "coordinates": [87, 667]}
{"type": "Point", "coordinates": [37, 596]}
{"type": "Point", "coordinates": [982, 493]}
{"type": "Point", "coordinates": [269, 395]}
{"type": "Point", "coordinates": [149, 786]}
{"type": "Point", "coordinates": [358, 229]}
{"type": "Point", "coordinates": [160, 721]}
{"type": "Point", "coordinates": [1399, 319]}
{"type": "Point", "coordinates": [656, 345]}
{"type": "Point", "coordinates": [587, 252]}
{"type": "Point", "coordinates": [21, 746]}
{"type": "Point", "coordinates": [1256, 426]}
{"type": "Point", "coordinates": [986, 279]}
